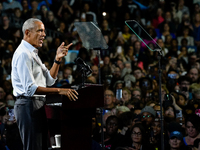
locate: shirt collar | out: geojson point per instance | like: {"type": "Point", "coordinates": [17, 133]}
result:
{"type": "Point", "coordinates": [29, 46]}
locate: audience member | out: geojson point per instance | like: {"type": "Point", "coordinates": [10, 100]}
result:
{"type": "Point", "coordinates": [193, 74]}
{"type": "Point", "coordinates": [139, 138]}
{"type": "Point", "coordinates": [10, 5]}
{"type": "Point", "coordinates": [176, 140]}
{"type": "Point", "coordinates": [148, 115]}
{"type": "Point", "coordinates": [109, 99]}
{"type": "Point", "coordinates": [5, 29]}
{"type": "Point", "coordinates": [192, 127]}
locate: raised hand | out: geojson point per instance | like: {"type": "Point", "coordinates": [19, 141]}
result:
{"type": "Point", "coordinates": [70, 93]}
{"type": "Point", "coordinates": [62, 51]}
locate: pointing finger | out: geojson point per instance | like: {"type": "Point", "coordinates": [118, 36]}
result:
{"type": "Point", "coordinates": [62, 44]}
{"type": "Point", "coordinates": [69, 45]}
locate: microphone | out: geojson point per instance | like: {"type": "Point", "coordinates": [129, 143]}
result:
{"type": "Point", "coordinates": [83, 66]}
{"type": "Point", "coordinates": [80, 61]}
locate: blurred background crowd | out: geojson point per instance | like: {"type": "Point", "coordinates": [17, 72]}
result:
{"type": "Point", "coordinates": [129, 70]}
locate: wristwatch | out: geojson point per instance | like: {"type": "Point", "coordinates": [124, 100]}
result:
{"type": "Point", "coordinates": [57, 62]}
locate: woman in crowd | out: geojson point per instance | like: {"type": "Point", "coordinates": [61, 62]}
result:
{"type": "Point", "coordinates": [169, 113]}
{"type": "Point", "coordinates": [192, 123]}
{"type": "Point", "coordinates": [126, 95]}
{"type": "Point", "coordinates": [155, 133]}
{"type": "Point", "coordinates": [138, 138]}
{"type": "Point", "coordinates": [166, 31]}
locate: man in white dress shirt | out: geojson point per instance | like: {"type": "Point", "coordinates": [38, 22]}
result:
{"type": "Point", "coordinates": [30, 79]}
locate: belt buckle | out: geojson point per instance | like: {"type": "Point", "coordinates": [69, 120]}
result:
{"type": "Point", "coordinates": [39, 98]}
{"type": "Point", "coordinates": [36, 98]}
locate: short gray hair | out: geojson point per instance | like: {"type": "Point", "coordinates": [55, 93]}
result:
{"type": "Point", "coordinates": [29, 24]}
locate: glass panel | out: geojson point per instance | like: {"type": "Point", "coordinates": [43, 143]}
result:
{"type": "Point", "coordinates": [90, 35]}
{"type": "Point", "coordinates": [142, 34]}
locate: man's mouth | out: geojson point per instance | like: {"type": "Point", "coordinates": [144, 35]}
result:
{"type": "Point", "coordinates": [41, 40]}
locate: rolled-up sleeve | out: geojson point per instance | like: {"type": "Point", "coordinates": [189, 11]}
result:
{"type": "Point", "coordinates": [23, 68]}
{"type": "Point", "coordinates": [49, 79]}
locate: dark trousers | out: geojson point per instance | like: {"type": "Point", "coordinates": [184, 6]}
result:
{"type": "Point", "coordinates": [32, 124]}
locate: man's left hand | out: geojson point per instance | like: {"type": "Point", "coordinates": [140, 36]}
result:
{"type": "Point", "coordinates": [62, 51]}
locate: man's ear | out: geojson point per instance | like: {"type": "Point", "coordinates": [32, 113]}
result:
{"type": "Point", "coordinates": [27, 32]}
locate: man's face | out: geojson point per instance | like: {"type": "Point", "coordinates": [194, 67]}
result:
{"type": "Point", "coordinates": [117, 72]}
{"type": "Point", "coordinates": [108, 98]}
{"type": "Point", "coordinates": [193, 74]}
{"type": "Point", "coordinates": [136, 94]}
{"type": "Point", "coordinates": [137, 74]}
{"type": "Point", "coordinates": [112, 127]}
{"type": "Point", "coordinates": [147, 117]}
{"type": "Point", "coordinates": [37, 35]}
{"type": "Point", "coordinates": [185, 84]}
{"type": "Point", "coordinates": [95, 71]}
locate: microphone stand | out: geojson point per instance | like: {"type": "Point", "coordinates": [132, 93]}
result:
{"type": "Point", "coordinates": [101, 109]}
{"type": "Point", "coordinates": [161, 114]}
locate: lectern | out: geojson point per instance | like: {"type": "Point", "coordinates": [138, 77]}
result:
{"type": "Point", "coordinates": [76, 116]}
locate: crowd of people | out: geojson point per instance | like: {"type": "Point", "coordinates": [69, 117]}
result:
{"type": "Point", "coordinates": [129, 69]}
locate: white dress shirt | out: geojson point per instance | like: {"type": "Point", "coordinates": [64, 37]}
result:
{"type": "Point", "coordinates": [27, 74]}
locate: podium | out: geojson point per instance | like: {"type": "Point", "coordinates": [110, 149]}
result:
{"type": "Point", "coordinates": [76, 116]}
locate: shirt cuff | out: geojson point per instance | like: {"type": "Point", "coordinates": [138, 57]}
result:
{"type": "Point", "coordinates": [32, 89]}
{"type": "Point", "coordinates": [50, 80]}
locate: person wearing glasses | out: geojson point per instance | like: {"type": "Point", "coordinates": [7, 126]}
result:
{"type": "Point", "coordinates": [138, 138]}
{"type": "Point", "coordinates": [147, 117]}
{"type": "Point", "coordinates": [109, 99]}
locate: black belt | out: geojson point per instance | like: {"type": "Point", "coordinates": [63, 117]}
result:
{"type": "Point", "coordinates": [32, 98]}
